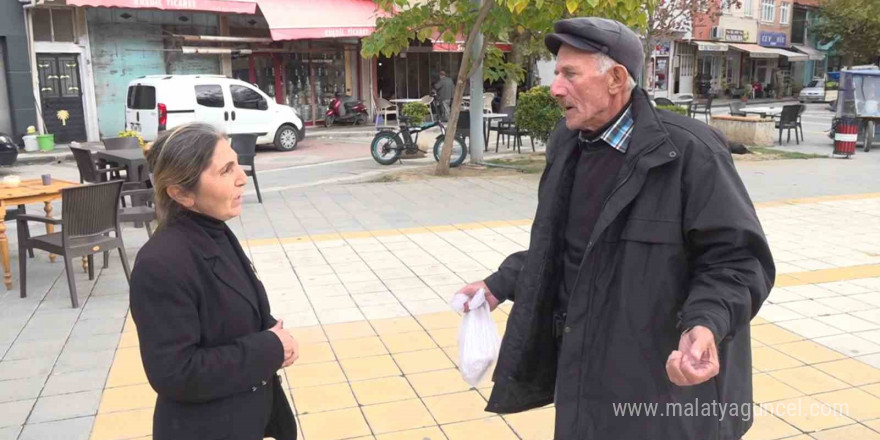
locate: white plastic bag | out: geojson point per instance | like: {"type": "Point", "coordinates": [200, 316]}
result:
{"type": "Point", "coordinates": [478, 340]}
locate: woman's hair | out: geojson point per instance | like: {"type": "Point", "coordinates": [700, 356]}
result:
{"type": "Point", "coordinates": [178, 157]}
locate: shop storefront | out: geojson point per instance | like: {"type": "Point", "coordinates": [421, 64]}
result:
{"type": "Point", "coordinates": [710, 67]}
{"type": "Point", "coordinates": [768, 69]}
{"type": "Point", "coordinates": [659, 70]}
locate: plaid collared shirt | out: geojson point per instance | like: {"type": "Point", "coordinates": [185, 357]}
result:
{"type": "Point", "coordinates": [618, 134]}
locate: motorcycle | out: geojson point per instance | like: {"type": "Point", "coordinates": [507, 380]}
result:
{"type": "Point", "coordinates": [344, 108]}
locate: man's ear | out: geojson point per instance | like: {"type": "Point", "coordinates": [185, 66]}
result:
{"type": "Point", "coordinates": [617, 79]}
{"type": "Point", "coordinates": [181, 196]}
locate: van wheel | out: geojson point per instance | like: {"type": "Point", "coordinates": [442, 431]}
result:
{"type": "Point", "coordinates": [286, 138]}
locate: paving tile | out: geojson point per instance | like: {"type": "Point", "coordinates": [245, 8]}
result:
{"type": "Point", "coordinates": [334, 425]}
{"type": "Point", "coordinates": [323, 398]}
{"type": "Point", "coordinates": [445, 337]}
{"type": "Point", "coordinates": [15, 413]}
{"type": "Point", "coordinates": [810, 328]}
{"type": "Point", "coordinates": [308, 335]}
{"type": "Point", "coordinates": [849, 345]}
{"type": "Point", "coordinates": [309, 375]}
{"type": "Point", "coordinates": [871, 359]}
{"type": "Point", "coordinates": [70, 429]}
{"type": "Point", "coordinates": [20, 369]}
{"type": "Point", "coordinates": [533, 425]}
{"type": "Point", "coordinates": [20, 389]}
{"type": "Point", "coordinates": [123, 425]}
{"type": "Point", "coordinates": [315, 353]}
{"type": "Point", "coordinates": [458, 407]}
{"type": "Point", "coordinates": [808, 380]}
{"type": "Point", "coordinates": [438, 382]}
{"type": "Point", "coordinates": [127, 398]}
{"type": "Point", "coordinates": [808, 414]}
{"type": "Point", "coordinates": [97, 326]}
{"type": "Point", "coordinates": [389, 389]}
{"type": "Point", "coordinates": [809, 352]}
{"type": "Point", "coordinates": [447, 319]}
{"type": "Point", "coordinates": [34, 349]}
{"type": "Point", "coordinates": [767, 426]}
{"type": "Point", "coordinates": [422, 361]}
{"type": "Point", "coordinates": [493, 428]}
{"type": "Point", "coordinates": [873, 424]}
{"type": "Point", "coordinates": [771, 334]}
{"type": "Point", "coordinates": [853, 403]}
{"type": "Point", "coordinates": [395, 325]}
{"type": "Point", "coordinates": [770, 359]}
{"type": "Point", "coordinates": [397, 416]}
{"type": "Point", "coordinates": [848, 323]}
{"type": "Point", "coordinates": [768, 389]}
{"type": "Point", "coordinates": [64, 383]}
{"type": "Point", "coordinates": [411, 341]}
{"type": "Point", "coordinates": [348, 330]}
{"type": "Point", "coordinates": [369, 367]}
{"type": "Point", "coordinates": [127, 369]}
{"type": "Point", "coordinates": [433, 433]}
{"type": "Point", "coordinates": [65, 406]}
{"type": "Point", "coordinates": [80, 361]}
{"type": "Point", "coordinates": [847, 433]}
{"type": "Point", "coordinates": [93, 343]}
{"type": "Point", "coordinates": [358, 347]}
{"type": "Point", "coordinates": [385, 311]}
{"type": "Point", "coordinates": [11, 433]}
{"type": "Point", "coordinates": [851, 371]}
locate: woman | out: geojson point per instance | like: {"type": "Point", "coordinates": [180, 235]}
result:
{"type": "Point", "coordinates": [209, 344]}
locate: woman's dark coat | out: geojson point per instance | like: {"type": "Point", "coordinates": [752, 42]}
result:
{"type": "Point", "coordinates": [203, 340]}
{"type": "Point", "coordinates": [677, 244]}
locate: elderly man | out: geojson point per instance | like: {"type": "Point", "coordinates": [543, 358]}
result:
{"type": "Point", "coordinates": [645, 265]}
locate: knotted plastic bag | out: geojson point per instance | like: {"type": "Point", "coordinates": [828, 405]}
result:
{"type": "Point", "coordinates": [478, 340]}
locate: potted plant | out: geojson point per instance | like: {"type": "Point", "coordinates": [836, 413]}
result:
{"type": "Point", "coordinates": [538, 112]}
{"type": "Point", "coordinates": [416, 112]}
{"type": "Point", "coordinates": [133, 134]}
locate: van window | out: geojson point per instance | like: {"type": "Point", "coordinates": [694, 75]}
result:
{"type": "Point", "coordinates": [210, 96]}
{"type": "Point", "coordinates": [141, 97]}
{"type": "Point", "coordinates": [244, 97]}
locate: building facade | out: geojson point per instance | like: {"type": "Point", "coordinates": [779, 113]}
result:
{"type": "Point", "coordinates": [17, 103]}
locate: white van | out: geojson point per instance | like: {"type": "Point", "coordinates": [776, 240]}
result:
{"type": "Point", "coordinates": [160, 102]}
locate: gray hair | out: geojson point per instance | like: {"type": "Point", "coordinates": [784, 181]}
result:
{"type": "Point", "coordinates": [178, 157]}
{"type": "Point", "coordinates": [605, 63]}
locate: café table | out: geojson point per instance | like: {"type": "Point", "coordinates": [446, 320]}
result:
{"type": "Point", "coordinates": [133, 160]}
{"type": "Point", "coordinates": [762, 111]}
{"type": "Point", "coordinates": [28, 191]}
{"type": "Point", "coordinates": [487, 124]}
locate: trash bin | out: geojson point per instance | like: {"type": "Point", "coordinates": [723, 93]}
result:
{"type": "Point", "coordinates": [46, 142]}
{"type": "Point", "coordinates": [845, 137]}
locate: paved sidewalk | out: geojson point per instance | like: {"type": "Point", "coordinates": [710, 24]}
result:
{"type": "Point", "coordinates": [364, 274]}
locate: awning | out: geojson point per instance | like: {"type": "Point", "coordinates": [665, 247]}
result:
{"type": "Point", "coordinates": [705, 46]}
{"type": "Point", "coordinates": [756, 51]}
{"type": "Point", "coordinates": [222, 6]}
{"type": "Point", "coordinates": [305, 19]}
{"type": "Point", "coordinates": [814, 54]}
{"type": "Point", "coordinates": [792, 56]}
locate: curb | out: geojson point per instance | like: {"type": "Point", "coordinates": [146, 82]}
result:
{"type": "Point", "coordinates": [42, 158]}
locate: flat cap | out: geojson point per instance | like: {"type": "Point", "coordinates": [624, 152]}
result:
{"type": "Point", "coordinates": [594, 34]}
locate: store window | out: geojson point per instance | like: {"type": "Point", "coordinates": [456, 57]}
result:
{"type": "Point", "coordinates": [747, 8]}
{"type": "Point", "coordinates": [784, 11]}
{"type": "Point", "coordinates": [210, 96]}
{"type": "Point", "coordinates": [768, 11]}
{"type": "Point", "coordinates": [53, 25]}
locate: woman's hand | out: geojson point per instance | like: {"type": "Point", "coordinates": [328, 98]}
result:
{"type": "Point", "coordinates": [291, 347]}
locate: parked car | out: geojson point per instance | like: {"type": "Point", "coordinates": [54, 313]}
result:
{"type": "Point", "coordinates": [8, 150]}
{"type": "Point", "coordinates": [161, 102]}
{"type": "Point", "coordinates": [813, 92]}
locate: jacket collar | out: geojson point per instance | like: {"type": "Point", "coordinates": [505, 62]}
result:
{"type": "Point", "coordinates": [205, 245]}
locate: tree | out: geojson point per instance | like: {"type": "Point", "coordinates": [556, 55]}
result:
{"type": "Point", "coordinates": [450, 18]}
{"type": "Point", "coordinates": [668, 19]}
{"type": "Point", "coordinates": [856, 25]}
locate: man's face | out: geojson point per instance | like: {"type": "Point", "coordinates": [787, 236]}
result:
{"type": "Point", "coordinates": [581, 90]}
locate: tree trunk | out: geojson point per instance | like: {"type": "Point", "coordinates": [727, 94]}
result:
{"type": "Point", "coordinates": [464, 71]}
{"type": "Point", "coordinates": [647, 79]}
{"type": "Point", "coordinates": [508, 95]}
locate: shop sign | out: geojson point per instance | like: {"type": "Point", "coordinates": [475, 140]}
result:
{"type": "Point", "coordinates": [735, 35]}
{"type": "Point", "coordinates": [459, 47]}
{"type": "Point", "coordinates": [661, 49]}
{"type": "Point", "coordinates": [772, 39]}
{"type": "Point", "coordinates": [348, 32]}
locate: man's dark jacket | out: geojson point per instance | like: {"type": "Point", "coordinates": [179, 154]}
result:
{"type": "Point", "coordinates": [677, 244]}
{"type": "Point", "coordinates": [203, 340]}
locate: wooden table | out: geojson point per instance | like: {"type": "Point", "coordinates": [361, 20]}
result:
{"type": "Point", "coordinates": [29, 191]}
{"type": "Point", "coordinates": [132, 159]}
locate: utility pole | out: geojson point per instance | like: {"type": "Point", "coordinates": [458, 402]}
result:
{"type": "Point", "coordinates": [476, 139]}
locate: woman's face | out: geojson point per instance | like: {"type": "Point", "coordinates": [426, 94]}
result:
{"type": "Point", "coordinates": [221, 185]}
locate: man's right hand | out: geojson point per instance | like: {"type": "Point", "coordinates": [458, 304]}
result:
{"type": "Point", "coordinates": [291, 347]}
{"type": "Point", "coordinates": [472, 288]}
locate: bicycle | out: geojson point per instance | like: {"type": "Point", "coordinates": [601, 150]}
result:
{"type": "Point", "coordinates": [388, 144]}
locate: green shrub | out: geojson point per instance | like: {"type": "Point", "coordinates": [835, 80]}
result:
{"type": "Point", "coordinates": [416, 112]}
{"type": "Point", "coordinates": [537, 112]}
{"type": "Point", "coordinates": [674, 108]}
{"type": "Point", "coordinates": [831, 85]}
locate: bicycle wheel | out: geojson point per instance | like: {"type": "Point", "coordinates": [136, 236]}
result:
{"type": "Point", "coordinates": [385, 148]}
{"type": "Point", "coordinates": [459, 151]}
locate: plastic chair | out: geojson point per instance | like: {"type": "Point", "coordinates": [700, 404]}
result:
{"type": "Point", "coordinates": [488, 97]}
{"type": "Point", "coordinates": [736, 108]}
{"type": "Point", "coordinates": [88, 215]}
{"type": "Point", "coordinates": [703, 109]}
{"type": "Point", "coordinates": [664, 102]}
{"type": "Point", "coordinates": [385, 107]}
{"type": "Point", "coordinates": [246, 147]}
{"type": "Point", "coordinates": [428, 100]}
{"type": "Point", "coordinates": [800, 119]}
{"type": "Point", "coordinates": [507, 127]}
{"type": "Point", "coordinates": [788, 120]}
{"type": "Point", "coordinates": [89, 171]}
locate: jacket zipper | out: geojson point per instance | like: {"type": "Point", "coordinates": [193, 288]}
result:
{"type": "Point", "coordinates": [590, 246]}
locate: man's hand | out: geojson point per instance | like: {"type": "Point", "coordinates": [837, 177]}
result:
{"type": "Point", "coordinates": [696, 359]}
{"type": "Point", "coordinates": [472, 288]}
{"type": "Point", "coordinates": [291, 347]}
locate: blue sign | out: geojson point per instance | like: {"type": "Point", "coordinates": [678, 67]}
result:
{"type": "Point", "coordinates": [772, 39]}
